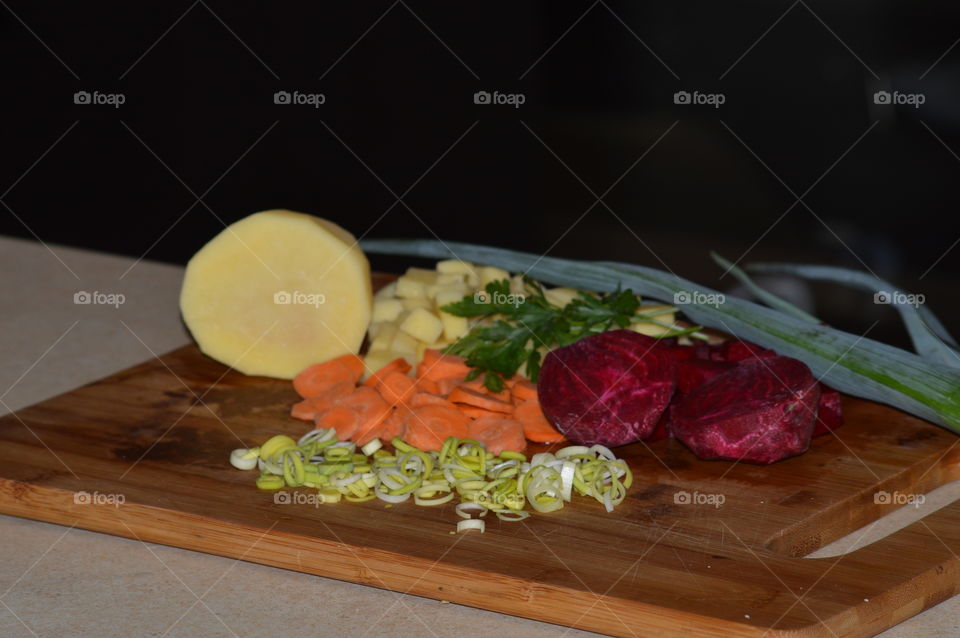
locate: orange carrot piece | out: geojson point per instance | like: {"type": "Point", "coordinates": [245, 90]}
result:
{"type": "Point", "coordinates": [370, 407]}
{"type": "Point", "coordinates": [446, 386]}
{"type": "Point", "coordinates": [397, 365]}
{"type": "Point", "coordinates": [428, 385]}
{"type": "Point", "coordinates": [342, 419]}
{"type": "Point", "coordinates": [498, 434]}
{"type": "Point", "coordinates": [426, 398]}
{"type": "Point", "coordinates": [478, 400]}
{"type": "Point", "coordinates": [478, 413]}
{"type": "Point", "coordinates": [429, 426]}
{"type": "Point", "coordinates": [309, 408]}
{"type": "Point", "coordinates": [524, 390]}
{"type": "Point", "coordinates": [477, 385]}
{"type": "Point", "coordinates": [535, 424]}
{"type": "Point", "coordinates": [319, 377]}
{"type": "Point", "coordinates": [436, 366]}
{"type": "Point", "coordinates": [393, 425]}
{"type": "Point", "coordinates": [397, 388]}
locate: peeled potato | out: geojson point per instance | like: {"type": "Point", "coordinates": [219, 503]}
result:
{"type": "Point", "coordinates": [276, 292]}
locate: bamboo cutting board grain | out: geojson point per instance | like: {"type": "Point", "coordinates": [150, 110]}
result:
{"type": "Point", "coordinates": [697, 549]}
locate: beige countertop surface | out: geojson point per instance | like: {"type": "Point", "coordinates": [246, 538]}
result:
{"type": "Point", "coordinates": [65, 582]}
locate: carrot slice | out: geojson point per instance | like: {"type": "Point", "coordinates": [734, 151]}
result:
{"type": "Point", "coordinates": [342, 419]}
{"type": "Point", "coordinates": [446, 386]}
{"type": "Point", "coordinates": [309, 408]}
{"type": "Point", "coordinates": [477, 413]}
{"type": "Point", "coordinates": [397, 388]}
{"type": "Point", "coordinates": [535, 424]}
{"type": "Point", "coordinates": [436, 366]}
{"type": "Point", "coordinates": [427, 398]}
{"type": "Point", "coordinates": [428, 385]}
{"type": "Point", "coordinates": [393, 425]}
{"type": "Point", "coordinates": [429, 426]}
{"type": "Point", "coordinates": [477, 386]}
{"type": "Point", "coordinates": [370, 407]}
{"type": "Point", "coordinates": [524, 390]}
{"type": "Point", "coordinates": [478, 400]}
{"type": "Point", "coordinates": [397, 365]}
{"type": "Point", "coordinates": [498, 434]}
{"type": "Point", "coordinates": [319, 377]}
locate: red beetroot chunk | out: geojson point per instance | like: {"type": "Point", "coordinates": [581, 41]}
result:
{"type": "Point", "coordinates": [760, 411]}
{"type": "Point", "coordinates": [610, 388]}
{"type": "Point", "coordinates": [830, 412]}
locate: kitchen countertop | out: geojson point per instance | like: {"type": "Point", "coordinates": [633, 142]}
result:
{"type": "Point", "coordinates": [58, 581]}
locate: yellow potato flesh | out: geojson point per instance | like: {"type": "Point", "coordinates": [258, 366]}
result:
{"type": "Point", "coordinates": [276, 292]}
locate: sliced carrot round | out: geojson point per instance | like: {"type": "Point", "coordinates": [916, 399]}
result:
{"type": "Point", "coordinates": [397, 388]}
{"type": "Point", "coordinates": [479, 400]}
{"type": "Point", "coordinates": [428, 398]}
{"type": "Point", "coordinates": [397, 365]}
{"type": "Point", "coordinates": [437, 365]}
{"type": "Point", "coordinates": [524, 390]}
{"type": "Point", "coordinates": [429, 426]}
{"type": "Point", "coordinates": [535, 424]}
{"type": "Point", "coordinates": [498, 434]}
{"type": "Point", "coordinates": [342, 419]}
{"type": "Point", "coordinates": [309, 408]}
{"type": "Point", "coordinates": [370, 407]}
{"type": "Point", "coordinates": [317, 378]}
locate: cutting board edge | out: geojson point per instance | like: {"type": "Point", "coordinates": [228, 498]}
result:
{"type": "Point", "coordinates": [515, 596]}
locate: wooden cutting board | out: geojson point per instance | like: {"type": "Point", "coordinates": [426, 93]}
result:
{"type": "Point", "coordinates": [697, 549]}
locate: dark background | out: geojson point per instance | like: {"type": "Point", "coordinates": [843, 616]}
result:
{"type": "Point", "coordinates": [199, 121]}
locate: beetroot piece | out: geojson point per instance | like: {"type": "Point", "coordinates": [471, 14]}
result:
{"type": "Point", "coordinates": [610, 388]}
{"type": "Point", "coordinates": [694, 373]}
{"type": "Point", "coordinates": [759, 411]}
{"type": "Point", "coordinates": [739, 350]}
{"type": "Point", "coordinates": [662, 429]}
{"type": "Point", "coordinates": [830, 411]}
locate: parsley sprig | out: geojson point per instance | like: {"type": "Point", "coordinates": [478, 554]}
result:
{"type": "Point", "coordinates": [512, 328]}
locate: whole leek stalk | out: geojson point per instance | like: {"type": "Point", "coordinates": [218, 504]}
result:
{"type": "Point", "coordinates": [850, 363]}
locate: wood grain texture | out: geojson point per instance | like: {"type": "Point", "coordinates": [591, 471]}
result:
{"type": "Point", "coordinates": [160, 433]}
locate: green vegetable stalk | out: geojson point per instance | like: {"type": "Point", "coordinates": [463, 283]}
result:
{"type": "Point", "coordinates": [851, 363]}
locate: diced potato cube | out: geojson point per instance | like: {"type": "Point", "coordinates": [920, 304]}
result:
{"type": "Point", "coordinates": [454, 327]}
{"type": "Point", "coordinates": [491, 273]}
{"type": "Point", "coordinates": [422, 275]}
{"type": "Point", "coordinates": [404, 344]}
{"type": "Point", "coordinates": [517, 285]}
{"type": "Point", "coordinates": [386, 309]}
{"type": "Point", "coordinates": [387, 292]}
{"type": "Point", "coordinates": [445, 279]}
{"type": "Point", "coordinates": [383, 337]}
{"type": "Point", "coordinates": [423, 325]}
{"type": "Point", "coordinates": [413, 304]}
{"type": "Point", "coordinates": [455, 266]}
{"type": "Point", "coordinates": [411, 288]}
{"type": "Point", "coordinates": [560, 296]}
{"type": "Point", "coordinates": [450, 294]}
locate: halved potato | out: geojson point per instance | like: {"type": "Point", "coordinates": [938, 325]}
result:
{"type": "Point", "coordinates": [276, 292]}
